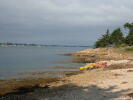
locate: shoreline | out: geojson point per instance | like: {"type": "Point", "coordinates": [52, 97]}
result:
{"type": "Point", "coordinates": [13, 86]}
{"type": "Point", "coordinates": [105, 84]}
{"type": "Point", "coordinates": [92, 77]}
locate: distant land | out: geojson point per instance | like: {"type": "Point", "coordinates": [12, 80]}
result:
{"type": "Point", "coordinates": [8, 44]}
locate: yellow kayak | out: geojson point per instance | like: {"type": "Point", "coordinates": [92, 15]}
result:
{"type": "Point", "coordinates": [86, 67]}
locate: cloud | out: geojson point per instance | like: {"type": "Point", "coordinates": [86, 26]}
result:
{"type": "Point", "coordinates": [62, 16]}
{"type": "Point", "coordinates": [66, 11]}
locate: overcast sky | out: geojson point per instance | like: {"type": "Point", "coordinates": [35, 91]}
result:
{"type": "Point", "coordinates": [71, 22]}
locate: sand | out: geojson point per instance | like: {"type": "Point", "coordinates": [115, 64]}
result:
{"type": "Point", "coordinates": [97, 84]}
{"type": "Point", "coordinates": [90, 85]}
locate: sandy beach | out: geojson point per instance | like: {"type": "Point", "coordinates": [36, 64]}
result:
{"type": "Point", "coordinates": [95, 85]}
{"type": "Point", "coordinates": [92, 85]}
{"type": "Point", "coordinates": [98, 84]}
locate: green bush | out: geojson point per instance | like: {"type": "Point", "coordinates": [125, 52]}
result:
{"type": "Point", "coordinates": [116, 38]}
{"type": "Point", "coordinates": [103, 41]}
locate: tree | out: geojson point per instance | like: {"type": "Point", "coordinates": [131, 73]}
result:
{"type": "Point", "coordinates": [104, 40]}
{"type": "Point", "coordinates": [129, 26]}
{"type": "Point", "coordinates": [129, 38]}
{"type": "Point", "coordinates": [117, 37]}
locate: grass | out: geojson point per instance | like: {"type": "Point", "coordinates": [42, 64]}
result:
{"type": "Point", "coordinates": [126, 49]}
{"type": "Point", "coordinates": [129, 49]}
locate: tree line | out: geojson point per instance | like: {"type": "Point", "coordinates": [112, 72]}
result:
{"type": "Point", "coordinates": [116, 37]}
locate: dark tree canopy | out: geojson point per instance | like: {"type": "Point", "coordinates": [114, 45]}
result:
{"type": "Point", "coordinates": [129, 26]}
{"type": "Point", "coordinates": [116, 37]}
{"type": "Point", "coordinates": [104, 40]}
{"type": "Point", "coordinates": [129, 37]}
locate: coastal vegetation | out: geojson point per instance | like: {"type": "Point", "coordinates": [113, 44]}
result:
{"type": "Point", "coordinates": [117, 37]}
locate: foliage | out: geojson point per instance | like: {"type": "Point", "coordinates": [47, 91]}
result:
{"type": "Point", "coordinates": [129, 49]}
{"type": "Point", "coordinates": [129, 37]}
{"type": "Point", "coordinates": [121, 45]}
{"type": "Point", "coordinates": [129, 40]}
{"type": "Point", "coordinates": [116, 38]}
{"type": "Point", "coordinates": [128, 25]}
{"type": "Point", "coordinates": [103, 41]}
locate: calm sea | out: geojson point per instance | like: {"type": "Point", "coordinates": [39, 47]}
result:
{"type": "Point", "coordinates": [16, 60]}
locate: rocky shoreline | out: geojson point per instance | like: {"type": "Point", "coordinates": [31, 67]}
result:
{"type": "Point", "coordinates": [112, 83]}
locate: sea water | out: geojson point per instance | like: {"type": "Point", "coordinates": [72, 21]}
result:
{"type": "Point", "coordinates": [14, 60]}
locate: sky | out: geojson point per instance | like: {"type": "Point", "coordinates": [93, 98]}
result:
{"type": "Point", "coordinates": [69, 22]}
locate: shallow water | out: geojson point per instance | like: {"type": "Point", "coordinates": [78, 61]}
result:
{"type": "Point", "coordinates": [14, 60]}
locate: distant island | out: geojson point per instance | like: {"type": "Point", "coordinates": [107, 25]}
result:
{"type": "Point", "coordinates": [9, 44]}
